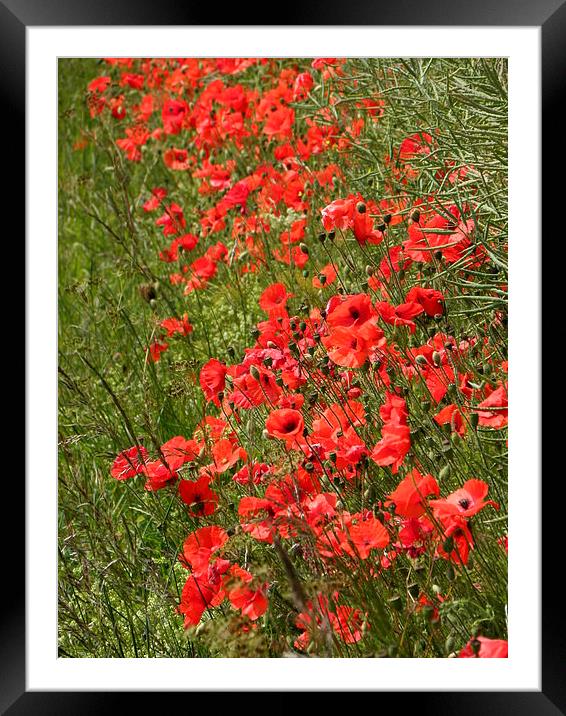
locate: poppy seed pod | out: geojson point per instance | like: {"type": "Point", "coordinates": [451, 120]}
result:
{"type": "Point", "coordinates": [322, 238]}
{"type": "Point", "coordinates": [381, 227]}
{"type": "Point", "coordinates": [415, 216]}
{"type": "Point", "coordinates": [361, 207]}
{"type": "Point", "coordinates": [322, 279]}
{"type": "Point", "coordinates": [332, 235]}
{"type": "Point", "coordinates": [304, 248]}
{"type": "Point", "coordinates": [387, 218]}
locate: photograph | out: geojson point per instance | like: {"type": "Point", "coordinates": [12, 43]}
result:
{"type": "Point", "coordinates": [282, 357]}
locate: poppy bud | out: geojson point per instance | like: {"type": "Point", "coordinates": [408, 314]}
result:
{"type": "Point", "coordinates": [422, 361]}
{"type": "Point", "coordinates": [396, 603]}
{"type": "Point", "coordinates": [254, 372]}
{"type": "Point", "coordinates": [279, 381]}
{"type": "Point", "coordinates": [221, 396]}
{"type": "Point", "coordinates": [322, 278]}
{"type": "Point", "coordinates": [153, 303]}
{"type": "Point", "coordinates": [255, 333]}
{"type": "Point", "coordinates": [415, 216]}
{"type": "Point", "coordinates": [306, 273]}
{"type": "Point", "coordinates": [425, 404]}
{"type": "Point", "coordinates": [401, 274]}
{"type": "Point", "coordinates": [322, 238]}
{"type": "Point", "coordinates": [302, 325]}
{"type": "Point", "coordinates": [381, 227]}
{"type": "Point", "coordinates": [436, 358]}
{"type": "Point", "coordinates": [450, 644]}
{"type": "Point", "coordinates": [309, 467]}
{"type": "Point", "coordinates": [265, 435]}
{"type": "Point", "coordinates": [332, 235]}
{"type": "Point", "coordinates": [387, 218]}
{"type": "Point", "coordinates": [370, 270]}
{"type": "Point", "coordinates": [361, 207]}
{"type": "Point", "coordinates": [438, 255]}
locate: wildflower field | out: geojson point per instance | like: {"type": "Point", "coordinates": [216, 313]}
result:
{"type": "Point", "coordinates": [283, 357]}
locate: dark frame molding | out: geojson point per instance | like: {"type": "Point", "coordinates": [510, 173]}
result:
{"type": "Point", "coordinates": [550, 15]}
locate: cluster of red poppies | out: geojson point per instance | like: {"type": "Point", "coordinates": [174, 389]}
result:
{"type": "Point", "coordinates": [355, 346]}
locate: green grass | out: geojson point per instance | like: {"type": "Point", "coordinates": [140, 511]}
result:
{"type": "Point", "coordinates": [119, 579]}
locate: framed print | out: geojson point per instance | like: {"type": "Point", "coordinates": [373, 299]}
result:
{"type": "Point", "coordinates": [273, 285]}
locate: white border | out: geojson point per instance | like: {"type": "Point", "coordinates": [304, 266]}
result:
{"type": "Point", "coordinates": [522, 670]}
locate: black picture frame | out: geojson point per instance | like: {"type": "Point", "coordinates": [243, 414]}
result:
{"type": "Point", "coordinates": [550, 15]}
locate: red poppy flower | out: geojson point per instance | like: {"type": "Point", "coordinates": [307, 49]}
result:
{"type": "Point", "coordinates": [177, 159]}
{"type": "Point", "coordinates": [467, 501]}
{"type": "Point", "coordinates": [274, 299]}
{"type": "Point", "coordinates": [366, 535]}
{"type": "Point", "coordinates": [178, 451]}
{"type": "Point", "coordinates": [129, 463]}
{"type": "Point", "coordinates": [485, 648]}
{"type": "Point", "coordinates": [182, 326]}
{"type": "Point", "coordinates": [430, 299]}
{"type": "Point", "coordinates": [199, 546]}
{"type": "Point", "coordinates": [498, 417]}
{"type": "Point", "coordinates": [226, 455]}
{"type": "Point", "coordinates": [198, 495]}
{"type": "Point", "coordinates": [410, 494]}
{"type": "Point", "coordinates": [156, 349]}
{"type": "Point", "coordinates": [285, 424]}
{"type": "Point", "coordinates": [213, 379]}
